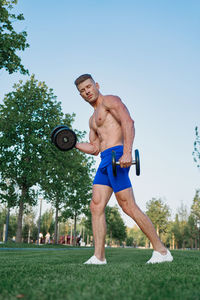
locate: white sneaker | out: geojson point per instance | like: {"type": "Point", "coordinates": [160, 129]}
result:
{"type": "Point", "coordinates": [95, 261]}
{"type": "Point", "coordinates": [157, 257]}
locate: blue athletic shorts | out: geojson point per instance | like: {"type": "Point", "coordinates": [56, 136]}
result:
{"type": "Point", "coordinates": [104, 175]}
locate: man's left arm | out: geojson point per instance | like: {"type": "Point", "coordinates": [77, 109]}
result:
{"type": "Point", "coordinates": [122, 115]}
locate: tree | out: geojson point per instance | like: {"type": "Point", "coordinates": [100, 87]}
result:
{"type": "Point", "coordinates": [195, 208]}
{"type": "Point", "coordinates": [196, 152]}
{"type": "Point", "coordinates": [2, 220]}
{"type": "Point", "coordinates": [137, 237]}
{"type": "Point", "coordinates": [47, 222]}
{"type": "Point", "coordinates": [28, 224]}
{"type": "Point", "coordinates": [79, 188]}
{"type": "Point", "coordinates": [193, 231]}
{"type": "Point", "coordinates": [87, 223]}
{"type": "Point", "coordinates": [67, 182]}
{"type": "Point", "coordinates": [184, 228]}
{"type": "Point", "coordinates": [116, 228]}
{"type": "Point", "coordinates": [176, 231]}
{"type": "Point", "coordinates": [8, 193]}
{"type": "Point", "coordinates": [195, 211]}
{"type": "Point", "coordinates": [179, 229]}
{"type": "Point", "coordinates": [159, 214]}
{"type": "Point", "coordinates": [27, 116]}
{"type": "Point", "coordinates": [12, 222]}
{"type": "Point", "coordinates": [10, 40]}
{"type": "Point", "coordinates": [9, 196]}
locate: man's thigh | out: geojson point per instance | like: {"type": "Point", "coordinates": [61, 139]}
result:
{"type": "Point", "coordinates": [126, 201]}
{"type": "Point", "coordinates": [121, 181]}
{"type": "Point", "coordinates": [125, 195]}
{"type": "Point", "coordinates": [101, 194]}
{"type": "Point", "coordinates": [101, 178]}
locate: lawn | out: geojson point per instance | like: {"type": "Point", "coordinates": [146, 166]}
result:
{"type": "Point", "coordinates": [60, 274]}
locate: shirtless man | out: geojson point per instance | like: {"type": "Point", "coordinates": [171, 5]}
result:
{"type": "Point", "coordinates": [112, 128]}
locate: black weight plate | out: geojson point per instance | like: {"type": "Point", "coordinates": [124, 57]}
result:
{"type": "Point", "coordinates": [65, 139]}
{"type": "Point", "coordinates": [137, 162]}
{"type": "Point", "coordinates": [53, 133]}
{"type": "Point", "coordinates": [114, 166]}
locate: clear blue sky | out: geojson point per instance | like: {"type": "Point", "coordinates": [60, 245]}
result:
{"type": "Point", "coordinates": [146, 52]}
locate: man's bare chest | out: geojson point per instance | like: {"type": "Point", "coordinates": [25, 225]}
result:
{"type": "Point", "coordinates": [99, 117]}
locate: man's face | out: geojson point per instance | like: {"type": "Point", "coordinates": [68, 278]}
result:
{"type": "Point", "coordinates": [89, 90]}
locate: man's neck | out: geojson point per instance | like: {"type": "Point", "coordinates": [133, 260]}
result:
{"type": "Point", "coordinates": [97, 102]}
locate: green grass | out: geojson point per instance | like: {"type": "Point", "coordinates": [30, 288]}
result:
{"type": "Point", "coordinates": [25, 245]}
{"type": "Point", "coordinates": [43, 274]}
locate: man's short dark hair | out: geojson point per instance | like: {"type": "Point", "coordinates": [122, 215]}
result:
{"type": "Point", "coordinates": [82, 78]}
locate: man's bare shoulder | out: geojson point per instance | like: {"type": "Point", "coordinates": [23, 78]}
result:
{"type": "Point", "coordinates": [115, 105]}
{"type": "Point", "coordinates": [111, 100]}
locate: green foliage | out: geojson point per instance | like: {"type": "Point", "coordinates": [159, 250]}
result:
{"type": "Point", "coordinates": [159, 214]}
{"type": "Point", "coordinates": [195, 208]}
{"type": "Point", "coordinates": [47, 222]}
{"type": "Point", "coordinates": [12, 226]}
{"type": "Point", "coordinates": [28, 223]}
{"type": "Point", "coordinates": [129, 241]}
{"type": "Point", "coordinates": [27, 116]}
{"type": "Point", "coordinates": [196, 152]}
{"type": "Point", "coordinates": [28, 158]}
{"type": "Point", "coordinates": [8, 193]}
{"type": "Point", "coordinates": [12, 222]}
{"type": "Point", "coordinates": [180, 228]}
{"type": "Point", "coordinates": [3, 213]}
{"type": "Point", "coordinates": [184, 229]}
{"type": "Point", "coordinates": [177, 230]}
{"type": "Point", "coordinates": [79, 186]}
{"type": "Point", "coordinates": [87, 222]}
{"type": "Point", "coordinates": [10, 40]}
{"type": "Point", "coordinates": [67, 183]}
{"type": "Point", "coordinates": [193, 231]}
{"type": "Point", "coordinates": [137, 237]}
{"type": "Point", "coordinates": [116, 228]}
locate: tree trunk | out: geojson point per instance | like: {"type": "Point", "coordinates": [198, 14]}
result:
{"type": "Point", "coordinates": [195, 242]}
{"type": "Point", "coordinates": [84, 234]}
{"type": "Point", "coordinates": [183, 245]}
{"type": "Point", "coordinates": [74, 243]}
{"type": "Point", "coordinates": [71, 238]}
{"type": "Point", "coordinates": [4, 232]}
{"type": "Point", "coordinates": [173, 242]}
{"type": "Point", "coordinates": [29, 235]}
{"type": "Point", "coordinates": [199, 239]}
{"type": "Point", "coordinates": [20, 216]}
{"type": "Point", "coordinates": [56, 227]}
{"type": "Point", "coordinates": [191, 243]}
{"type": "Point", "coordinates": [66, 233]}
{"type": "Point", "coordinates": [7, 224]}
{"type": "Point", "coordinates": [19, 222]}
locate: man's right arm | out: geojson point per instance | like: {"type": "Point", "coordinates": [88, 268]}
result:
{"type": "Point", "coordinates": [87, 148]}
{"type": "Point", "coordinates": [92, 147]}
